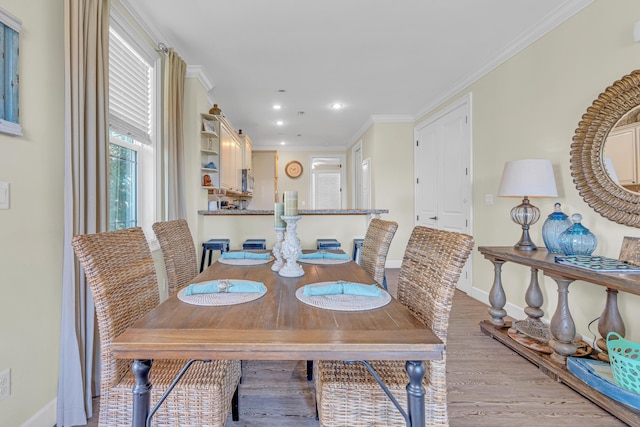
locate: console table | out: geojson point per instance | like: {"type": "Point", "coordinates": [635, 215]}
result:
{"type": "Point", "coordinates": [562, 326]}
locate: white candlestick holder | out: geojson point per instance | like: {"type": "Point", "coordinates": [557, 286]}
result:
{"type": "Point", "coordinates": [291, 249]}
{"type": "Point", "coordinates": [277, 248]}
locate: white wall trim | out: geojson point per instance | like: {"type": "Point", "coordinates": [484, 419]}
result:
{"type": "Point", "coordinates": [556, 17]}
{"type": "Point", "coordinates": [46, 416]}
{"type": "Point", "coordinates": [144, 22]}
{"type": "Point", "coordinates": [197, 71]}
{"type": "Point", "coordinates": [392, 119]}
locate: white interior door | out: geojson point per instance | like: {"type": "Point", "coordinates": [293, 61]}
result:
{"type": "Point", "coordinates": [326, 182]}
{"type": "Point", "coordinates": [443, 174]}
{"type": "Point", "coordinates": [356, 155]}
{"type": "Point", "coordinates": [366, 184]}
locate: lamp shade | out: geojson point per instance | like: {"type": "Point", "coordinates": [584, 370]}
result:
{"type": "Point", "coordinates": [528, 177]}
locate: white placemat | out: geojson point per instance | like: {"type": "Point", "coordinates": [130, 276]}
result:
{"type": "Point", "coordinates": [220, 298]}
{"type": "Point", "coordinates": [245, 261]}
{"type": "Point", "coordinates": [342, 302]}
{"type": "Point", "coordinates": [323, 261]}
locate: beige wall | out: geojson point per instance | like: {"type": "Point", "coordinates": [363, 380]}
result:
{"type": "Point", "coordinates": [31, 231]}
{"type": "Point", "coordinates": [529, 108]}
{"type": "Point", "coordinates": [302, 184]}
{"type": "Point", "coordinates": [389, 146]}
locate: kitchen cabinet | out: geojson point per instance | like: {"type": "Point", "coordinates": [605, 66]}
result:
{"type": "Point", "coordinates": [247, 152]}
{"type": "Point", "coordinates": [230, 159]}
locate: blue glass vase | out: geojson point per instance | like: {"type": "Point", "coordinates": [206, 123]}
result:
{"type": "Point", "coordinates": [577, 239]}
{"type": "Point", "coordinates": [555, 224]}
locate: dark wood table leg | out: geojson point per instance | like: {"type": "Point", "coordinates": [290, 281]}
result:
{"type": "Point", "coordinates": [415, 393]}
{"type": "Point", "coordinates": [141, 392]}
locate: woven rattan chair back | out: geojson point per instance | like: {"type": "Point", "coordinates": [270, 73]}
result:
{"type": "Point", "coordinates": [346, 393]}
{"type": "Point", "coordinates": [376, 247]}
{"type": "Point", "coordinates": [178, 252]}
{"type": "Point", "coordinates": [122, 278]}
{"type": "Point", "coordinates": [431, 267]}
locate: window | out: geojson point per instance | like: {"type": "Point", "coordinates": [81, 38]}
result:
{"type": "Point", "coordinates": [9, 79]}
{"type": "Point", "coordinates": [132, 149]}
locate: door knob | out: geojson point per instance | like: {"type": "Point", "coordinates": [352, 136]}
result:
{"type": "Point", "coordinates": [433, 217]}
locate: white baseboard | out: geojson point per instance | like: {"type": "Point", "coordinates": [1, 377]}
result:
{"type": "Point", "coordinates": [44, 417]}
{"type": "Point", "coordinates": [513, 310]}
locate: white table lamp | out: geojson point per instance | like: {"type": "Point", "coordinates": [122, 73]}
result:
{"type": "Point", "coordinates": [527, 178]}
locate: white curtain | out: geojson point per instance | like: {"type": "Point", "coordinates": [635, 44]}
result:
{"type": "Point", "coordinates": [86, 25]}
{"type": "Point", "coordinates": [174, 72]}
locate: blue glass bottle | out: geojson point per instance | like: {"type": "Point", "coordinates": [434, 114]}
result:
{"type": "Point", "coordinates": [555, 224]}
{"type": "Point", "coordinates": [577, 239]}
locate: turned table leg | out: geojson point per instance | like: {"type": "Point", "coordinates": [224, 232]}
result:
{"type": "Point", "coordinates": [610, 320]}
{"type": "Point", "coordinates": [497, 297]}
{"type": "Point", "coordinates": [534, 298]}
{"type": "Point", "coordinates": [562, 327]}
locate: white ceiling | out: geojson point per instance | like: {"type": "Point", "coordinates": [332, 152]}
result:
{"type": "Point", "coordinates": [383, 59]}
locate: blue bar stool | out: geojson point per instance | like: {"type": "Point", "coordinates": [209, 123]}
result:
{"type": "Point", "coordinates": [211, 245]}
{"type": "Point", "coordinates": [254, 244]}
{"type": "Point", "coordinates": [357, 249]}
{"type": "Point", "coordinates": [328, 244]}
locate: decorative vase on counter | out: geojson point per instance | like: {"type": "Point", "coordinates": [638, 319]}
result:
{"type": "Point", "coordinates": [577, 239]}
{"type": "Point", "coordinates": [555, 224]}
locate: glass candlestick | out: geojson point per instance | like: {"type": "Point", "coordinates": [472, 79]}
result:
{"type": "Point", "coordinates": [291, 249]}
{"type": "Point", "coordinates": [277, 248]}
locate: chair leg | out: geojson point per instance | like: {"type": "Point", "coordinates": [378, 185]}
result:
{"type": "Point", "coordinates": [204, 255]}
{"type": "Point", "coordinates": [309, 370]}
{"type": "Point", "coordinates": [235, 410]}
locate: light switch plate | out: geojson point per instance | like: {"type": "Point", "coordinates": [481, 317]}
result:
{"type": "Point", "coordinates": [4, 195]}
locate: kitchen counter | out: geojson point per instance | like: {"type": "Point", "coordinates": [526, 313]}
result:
{"type": "Point", "coordinates": [300, 212]}
{"type": "Point", "coordinates": [239, 225]}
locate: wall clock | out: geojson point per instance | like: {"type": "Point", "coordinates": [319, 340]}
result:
{"type": "Point", "coordinates": [293, 169]}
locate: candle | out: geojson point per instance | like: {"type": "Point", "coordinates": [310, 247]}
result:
{"type": "Point", "coordinates": [278, 212]}
{"type": "Point", "coordinates": [291, 203]}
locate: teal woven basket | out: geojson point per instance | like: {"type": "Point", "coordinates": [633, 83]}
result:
{"type": "Point", "coordinates": [625, 361]}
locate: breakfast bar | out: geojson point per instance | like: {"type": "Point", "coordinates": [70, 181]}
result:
{"type": "Point", "coordinates": [237, 225]}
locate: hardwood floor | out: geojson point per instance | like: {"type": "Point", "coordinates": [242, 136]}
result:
{"type": "Point", "coordinates": [488, 385]}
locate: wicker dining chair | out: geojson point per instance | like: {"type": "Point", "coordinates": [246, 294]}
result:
{"type": "Point", "coordinates": [122, 278]}
{"type": "Point", "coordinates": [374, 256]}
{"type": "Point", "coordinates": [376, 247]}
{"type": "Point", "coordinates": [178, 252]}
{"type": "Point", "coordinates": [347, 394]}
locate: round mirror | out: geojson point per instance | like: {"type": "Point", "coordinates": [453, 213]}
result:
{"type": "Point", "coordinates": [621, 151]}
{"type": "Point", "coordinates": [600, 185]}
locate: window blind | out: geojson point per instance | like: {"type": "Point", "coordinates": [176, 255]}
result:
{"type": "Point", "coordinates": [130, 78]}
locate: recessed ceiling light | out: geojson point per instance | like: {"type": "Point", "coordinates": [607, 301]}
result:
{"type": "Point", "coordinates": [279, 122]}
{"type": "Point", "coordinates": [336, 106]}
{"type": "Point", "coordinates": [277, 107]}
{"type": "Point", "coordinates": [282, 143]}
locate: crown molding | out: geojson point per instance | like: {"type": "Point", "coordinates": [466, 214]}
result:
{"type": "Point", "coordinates": [197, 71]}
{"type": "Point", "coordinates": [553, 19]}
{"type": "Point", "coordinates": [298, 148]}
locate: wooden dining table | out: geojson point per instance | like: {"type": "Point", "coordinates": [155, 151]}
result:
{"type": "Point", "coordinates": [278, 326]}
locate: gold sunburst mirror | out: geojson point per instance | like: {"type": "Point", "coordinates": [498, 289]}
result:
{"type": "Point", "coordinates": [593, 173]}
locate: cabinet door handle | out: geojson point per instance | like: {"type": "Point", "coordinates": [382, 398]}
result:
{"type": "Point", "coordinates": [433, 217]}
